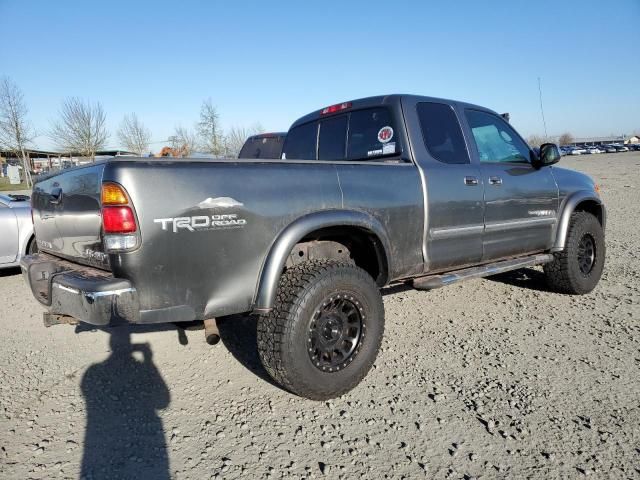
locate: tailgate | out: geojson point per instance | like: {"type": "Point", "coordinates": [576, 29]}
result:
{"type": "Point", "coordinates": [66, 215]}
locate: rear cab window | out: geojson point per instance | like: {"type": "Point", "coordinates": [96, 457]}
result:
{"type": "Point", "coordinates": [372, 134]}
{"type": "Point", "coordinates": [300, 143]}
{"type": "Point", "coordinates": [361, 135]}
{"type": "Point", "coordinates": [441, 133]}
{"type": "Point", "coordinates": [332, 140]}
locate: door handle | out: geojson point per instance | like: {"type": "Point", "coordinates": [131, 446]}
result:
{"type": "Point", "coordinates": [471, 181]}
{"type": "Point", "coordinates": [495, 181]}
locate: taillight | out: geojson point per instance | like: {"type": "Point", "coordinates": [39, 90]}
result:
{"type": "Point", "coordinates": [336, 108]}
{"type": "Point", "coordinates": [113, 194]}
{"type": "Point", "coordinates": [118, 219]}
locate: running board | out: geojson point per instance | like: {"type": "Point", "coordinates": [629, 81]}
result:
{"type": "Point", "coordinates": [437, 281]}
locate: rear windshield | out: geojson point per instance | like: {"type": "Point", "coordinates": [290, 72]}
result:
{"type": "Point", "coordinates": [262, 147]}
{"type": "Point", "coordinates": [367, 134]}
{"type": "Point", "coordinates": [301, 142]}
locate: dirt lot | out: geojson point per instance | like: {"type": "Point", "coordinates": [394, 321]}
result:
{"type": "Point", "coordinates": [494, 378]}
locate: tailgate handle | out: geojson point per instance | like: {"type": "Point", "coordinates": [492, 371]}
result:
{"type": "Point", "coordinates": [56, 195]}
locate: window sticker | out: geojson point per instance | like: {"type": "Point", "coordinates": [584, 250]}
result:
{"type": "Point", "coordinates": [385, 134]}
{"type": "Point", "coordinates": [388, 148]}
{"type": "Point", "coordinates": [372, 153]}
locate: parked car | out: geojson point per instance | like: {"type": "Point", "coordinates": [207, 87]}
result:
{"type": "Point", "coordinates": [264, 145]}
{"type": "Point", "coordinates": [620, 148]}
{"type": "Point", "coordinates": [16, 230]}
{"type": "Point", "coordinates": [610, 149]}
{"type": "Point", "coordinates": [388, 190]}
{"type": "Point", "coordinates": [577, 151]}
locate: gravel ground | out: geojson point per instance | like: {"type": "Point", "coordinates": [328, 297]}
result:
{"type": "Point", "coordinates": [494, 378]}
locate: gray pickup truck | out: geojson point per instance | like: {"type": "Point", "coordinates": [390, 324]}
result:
{"type": "Point", "coordinates": [367, 193]}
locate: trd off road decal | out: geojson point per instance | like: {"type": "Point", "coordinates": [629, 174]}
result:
{"type": "Point", "coordinates": [205, 222]}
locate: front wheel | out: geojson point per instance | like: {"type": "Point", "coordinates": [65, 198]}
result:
{"type": "Point", "coordinates": [578, 268]}
{"type": "Point", "coordinates": [325, 329]}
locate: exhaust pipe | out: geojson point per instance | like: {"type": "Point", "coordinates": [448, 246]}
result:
{"type": "Point", "coordinates": [211, 333]}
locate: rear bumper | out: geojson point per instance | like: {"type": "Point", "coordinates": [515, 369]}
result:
{"type": "Point", "coordinates": [84, 293]}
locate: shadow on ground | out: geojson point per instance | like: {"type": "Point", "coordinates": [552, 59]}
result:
{"type": "Point", "coordinates": [124, 436]}
{"type": "Point", "coordinates": [10, 272]}
{"type": "Point", "coordinates": [239, 335]}
{"type": "Point", "coordinates": [528, 278]}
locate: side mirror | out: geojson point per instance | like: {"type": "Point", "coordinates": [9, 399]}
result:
{"type": "Point", "coordinates": [549, 154]}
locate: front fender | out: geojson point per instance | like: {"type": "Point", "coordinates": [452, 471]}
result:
{"type": "Point", "coordinates": [26, 232]}
{"type": "Point", "coordinates": [567, 208]}
{"type": "Point", "coordinates": [294, 232]}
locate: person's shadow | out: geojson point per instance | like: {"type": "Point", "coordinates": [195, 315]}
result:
{"type": "Point", "coordinates": [124, 436]}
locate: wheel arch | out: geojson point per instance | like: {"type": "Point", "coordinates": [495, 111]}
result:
{"type": "Point", "coordinates": [582, 201]}
{"type": "Point", "coordinates": [329, 224]}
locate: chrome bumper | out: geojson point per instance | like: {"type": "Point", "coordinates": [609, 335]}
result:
{"type": "Point", "coordinates": [84, 293]}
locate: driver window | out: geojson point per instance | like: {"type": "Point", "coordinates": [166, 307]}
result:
{"type": "Point", "coordinates": [497, 142]}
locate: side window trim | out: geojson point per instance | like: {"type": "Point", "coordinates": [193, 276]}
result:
{"type": "Point", "coordinates": [511, 129]}
{"type": "Point", "coordinates": [317, 149]}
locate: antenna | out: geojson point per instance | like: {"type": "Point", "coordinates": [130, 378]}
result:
{"type": "Point", "coordinates": [544, 122]}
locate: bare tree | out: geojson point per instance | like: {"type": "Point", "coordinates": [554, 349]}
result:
{"type": "Point", "coordinates": [15, 131]}
{"type": "Point", "coordinates": [133, 135]}
{"type": "Point", "coordinates": [235, 138]}
{"type": "Point", "coordinates": [565, 139]}
{"type": "Point", "coordinates": [210, 134]}
{"type": "Point", "coordinates": [183, 141]}
{"type": "Point", "coordinates": [536, 140]}
{"type": "Point", "coordinates": [81, 127]}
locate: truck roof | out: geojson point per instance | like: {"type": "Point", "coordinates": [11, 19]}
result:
{"type": "Point", "coordinates": [378, 100]}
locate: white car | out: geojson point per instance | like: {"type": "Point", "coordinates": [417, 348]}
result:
{"type": "Point", "coordinates": [577, 151]}
{"type": "Point", "coordinates": [16, 230]}
{"type": "Point", "coordinates": [594, 150]}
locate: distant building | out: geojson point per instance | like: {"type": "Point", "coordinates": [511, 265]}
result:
{"type": "Point", "coordinates": [633, 139]}
{"type": "Point", "coordinates": [46, 160]}
{"type": "Point", "coordinates": [598, 140]}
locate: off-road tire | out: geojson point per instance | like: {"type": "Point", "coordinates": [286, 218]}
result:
{"type": "Point", "coordinates": [283, 334]}
{"type": "Point", "coordinates": [564, 274]}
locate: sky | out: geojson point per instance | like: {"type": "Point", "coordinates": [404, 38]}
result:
{"type": "Point", "coordinates": [272, 62]}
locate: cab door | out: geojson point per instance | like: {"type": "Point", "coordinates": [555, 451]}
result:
{"type": "Point", "coordinates": [521, 201]}
{"type": "Point", "coordinates": [453, 189]}
{"type": "Point", "coordinates": [8, 234]}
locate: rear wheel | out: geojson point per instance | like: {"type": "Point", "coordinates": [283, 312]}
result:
{"type": "Point", "coordinates": [324, 331]}
{"type": "Point", "coordinates": [578, 268]}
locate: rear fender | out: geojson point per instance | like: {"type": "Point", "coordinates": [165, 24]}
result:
{"type": "Point", "coordinates": [292, 234]}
